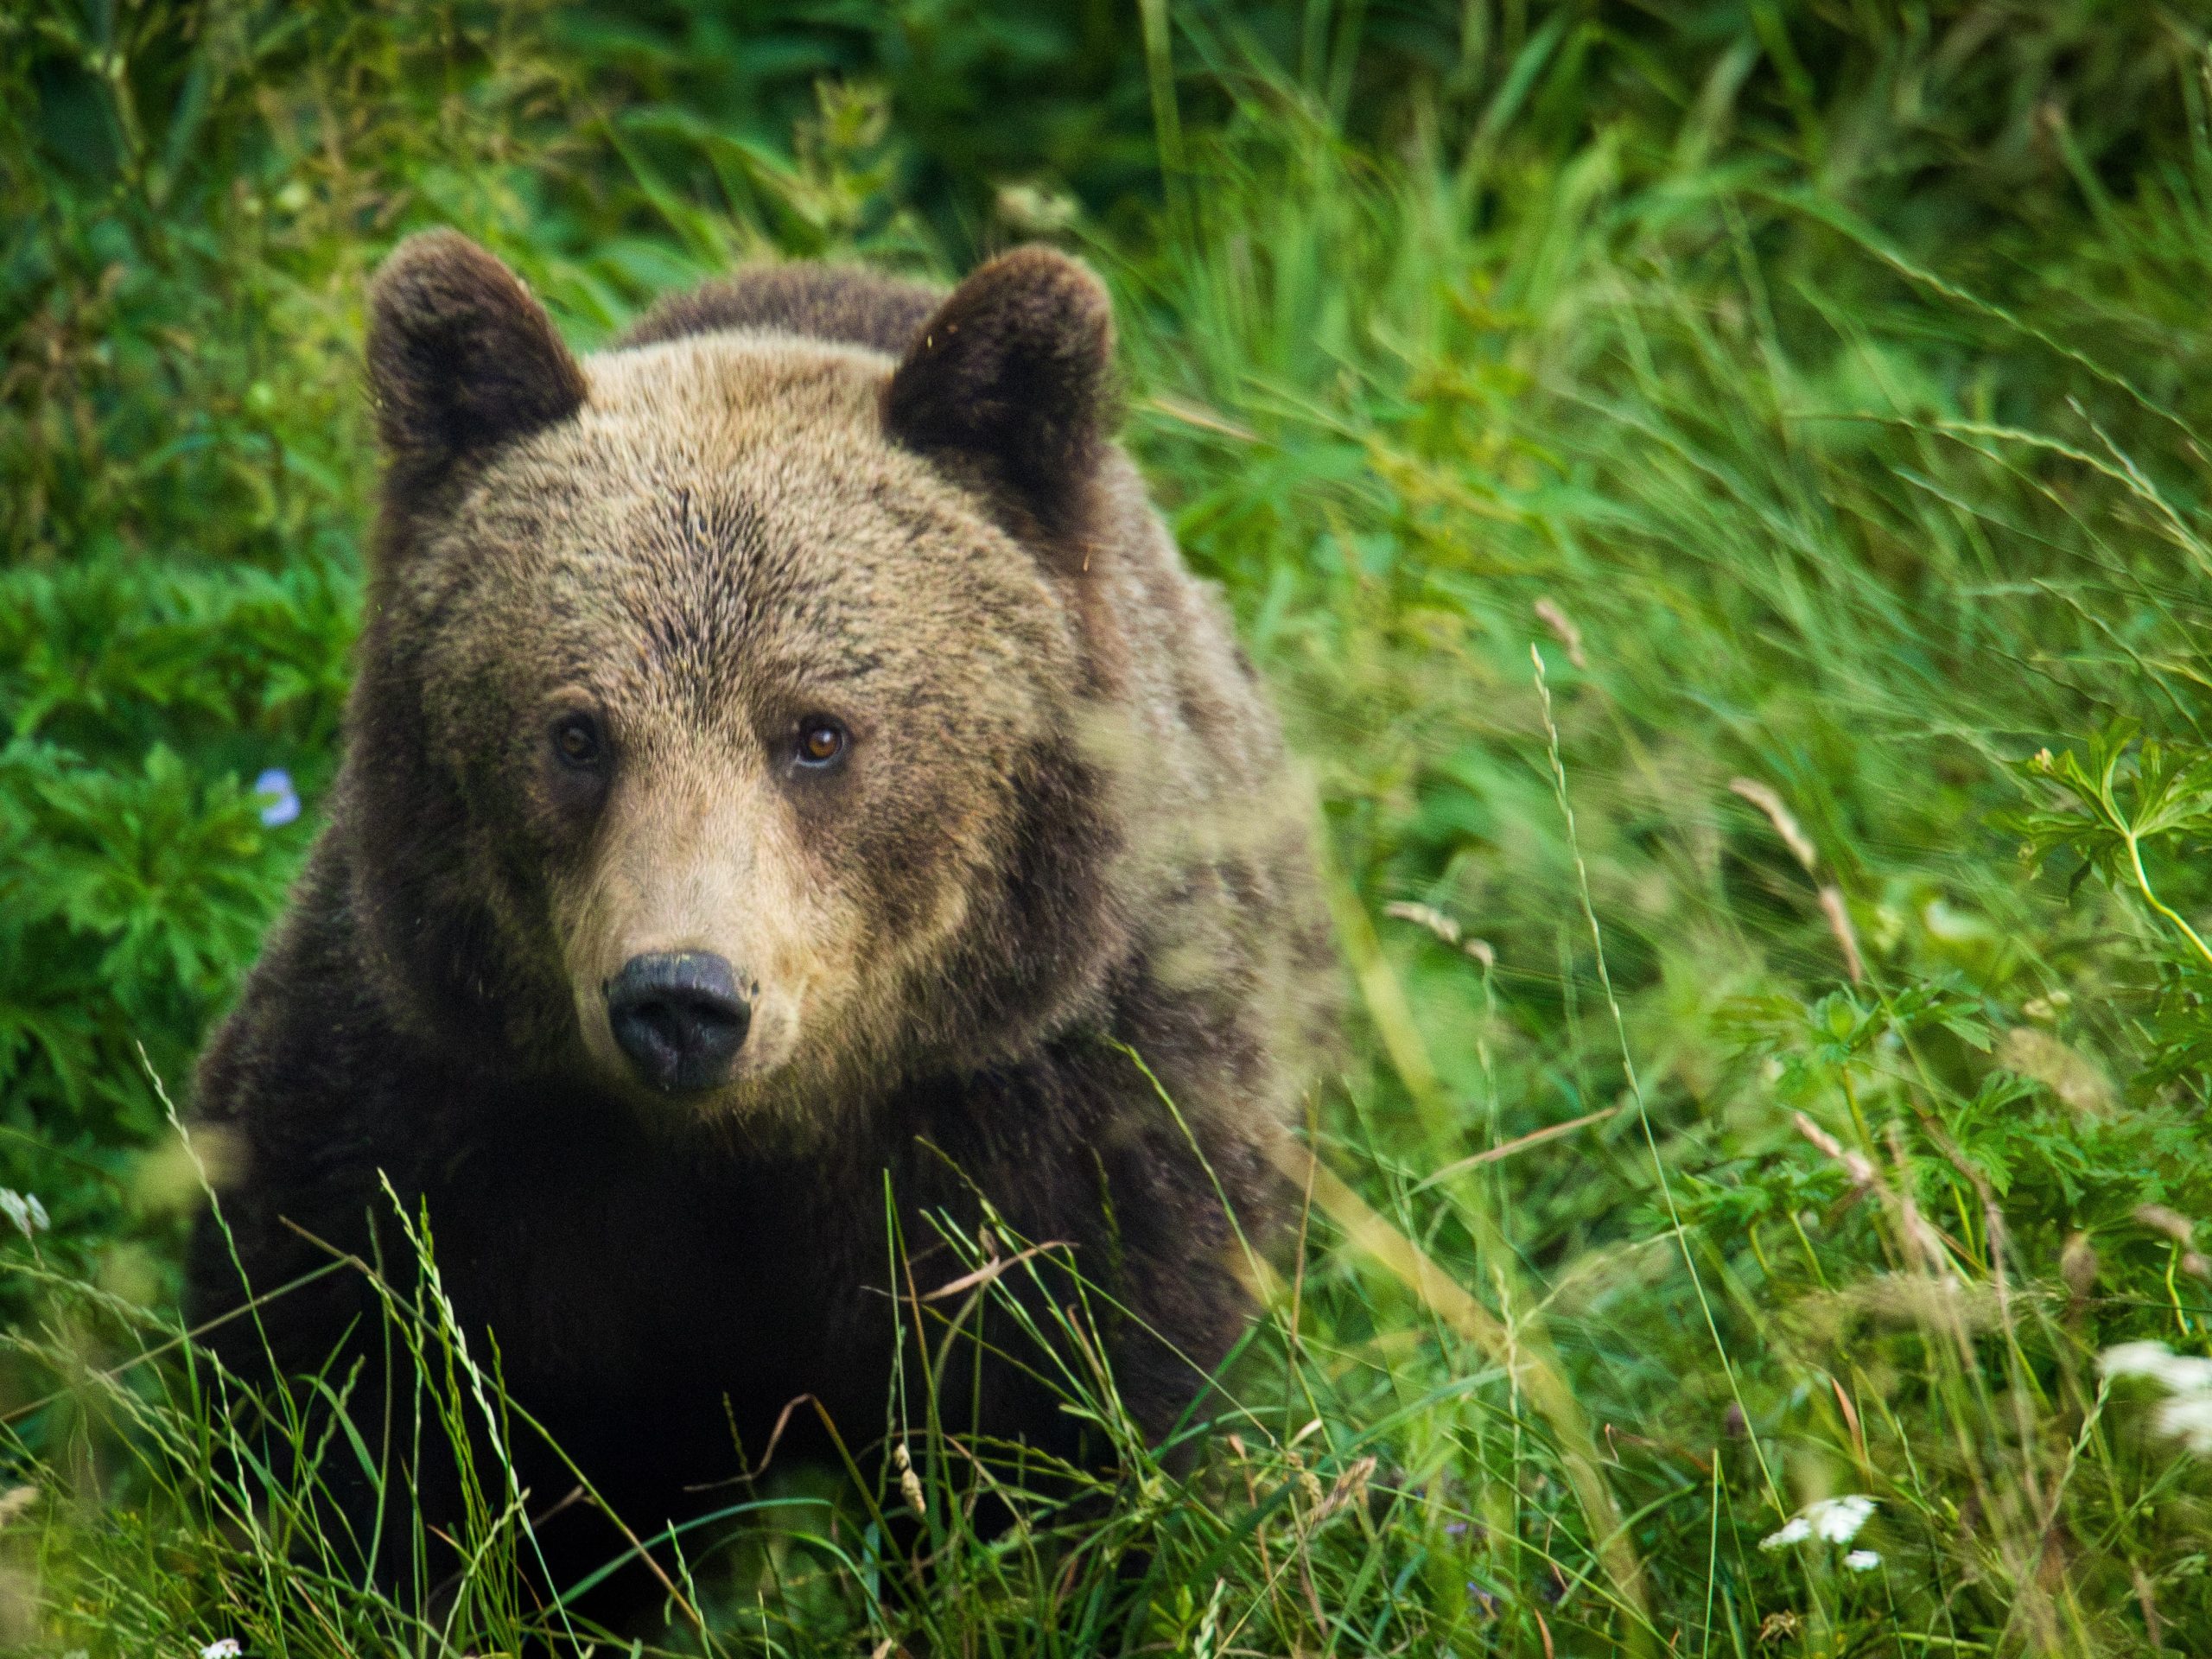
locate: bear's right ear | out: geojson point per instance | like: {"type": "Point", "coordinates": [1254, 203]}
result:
{"type": "Point", "coordinates": [461, 358]}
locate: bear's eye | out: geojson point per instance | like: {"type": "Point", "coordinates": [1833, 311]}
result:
{"type": "Point", "coordinates": [576, 740]}
{"type": "Point", "coordinates": [821, 741]}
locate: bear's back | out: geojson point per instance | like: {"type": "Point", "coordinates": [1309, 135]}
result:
{"type": "Point", "coordinates": [843, 303]}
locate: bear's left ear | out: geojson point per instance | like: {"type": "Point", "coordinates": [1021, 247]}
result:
{"type": "Point", "coordinates": [1016, 371]}
{"type": "Point", "coordinates": [460, 357]}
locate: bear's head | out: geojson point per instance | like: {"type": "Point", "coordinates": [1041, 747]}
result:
{"type": "Point", "coordinates": [720, 732]}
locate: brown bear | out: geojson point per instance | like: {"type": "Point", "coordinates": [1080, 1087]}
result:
{"type": "Point", "coordinates": [796, 806]}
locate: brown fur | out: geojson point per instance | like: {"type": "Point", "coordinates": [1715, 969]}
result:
{"type": "Point", "coordinates": [845, 303]}
{"type": "Point", "coordinates": [460, 353]}
{"type": "Point", "coordinates": [1065, 825]}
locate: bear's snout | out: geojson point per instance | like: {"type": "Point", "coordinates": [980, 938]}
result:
{"type": "Point", "coordinates": [680, 1017]}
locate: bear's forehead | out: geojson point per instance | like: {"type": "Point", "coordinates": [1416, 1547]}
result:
{"type": "Point", "coordinates": [759, 452]}
{"type": "Point", "coordinates": [729, 502]}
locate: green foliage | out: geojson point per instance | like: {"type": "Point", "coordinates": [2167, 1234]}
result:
{"type": "Point", "coordinates": [2115, 812]}
{"type": "Point", "coordinates": [2169, 791]}
{"type": "Point", "coordinates": [1818, 389]}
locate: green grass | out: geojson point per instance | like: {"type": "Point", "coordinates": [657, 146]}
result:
{"type": "Point", "coordinates": [1821, 398]}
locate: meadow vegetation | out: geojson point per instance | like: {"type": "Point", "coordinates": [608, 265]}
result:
{"type": "Point", "coordinates": [1720, 488]}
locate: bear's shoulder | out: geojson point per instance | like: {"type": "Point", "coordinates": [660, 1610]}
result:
{"type": "Point", "coordinates": [848, 304]}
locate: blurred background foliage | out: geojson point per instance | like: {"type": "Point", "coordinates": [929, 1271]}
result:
{"type": "Point", "coordinates": [1820, 386]}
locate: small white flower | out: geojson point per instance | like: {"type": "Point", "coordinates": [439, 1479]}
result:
{"type": "Point", "coordinates": [226, 1648]}
{"type": "Point", "coordinates": [1833, 1520]}
{"type": "Point", "coordinates": [2188, 1417]}
{"type": "Point", "coordinates": [1862, 1560]}
{"type": "Point", "coordinates": [1838, 1519]}
{"type": "Point", "coordinates": [2186, 1374]}
{"type": "Point", "coordinates": [2175, 1373]}
{"type": "Point", "coordinates": [2134, 1359]}
{"type": "Point", "coordinates": [25, 1210]}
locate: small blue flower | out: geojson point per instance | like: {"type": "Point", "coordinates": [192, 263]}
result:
{"type": "Point", "coordinates": [276, 786]}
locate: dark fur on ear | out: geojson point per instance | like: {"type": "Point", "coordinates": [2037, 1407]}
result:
{"type": "Point", "coordinates": [461, 358]}
{"type": "Point", "coordinates": [1014, 374]}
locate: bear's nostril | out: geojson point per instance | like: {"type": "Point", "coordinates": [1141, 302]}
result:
{"type": "Point", "coordinates": [680, 1017]}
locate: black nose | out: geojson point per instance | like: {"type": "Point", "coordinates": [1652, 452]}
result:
{"type": "Point", "coordinates": [679, 1017]}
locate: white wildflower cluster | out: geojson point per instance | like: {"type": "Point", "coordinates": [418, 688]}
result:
{"type": "Point", "coordinates": [25, 1210]}
{"type": "Point", "coordinates": [226, 1648]}
{"type": "Point", "coordinates": [1831, 1521]}
{"type": "Point", "coordinates": [2186, 1413]}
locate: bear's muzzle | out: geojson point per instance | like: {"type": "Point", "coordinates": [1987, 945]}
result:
{"type": "Point", "coordinates": [680, 1017]}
